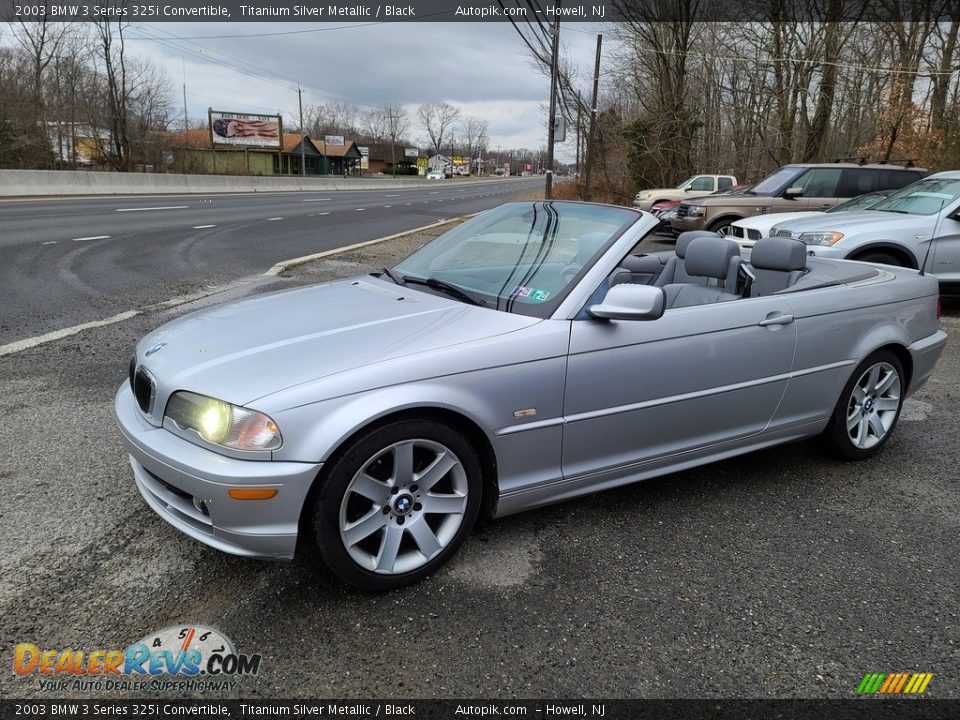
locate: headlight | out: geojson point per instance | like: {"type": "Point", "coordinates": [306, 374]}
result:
{"type": "Point", "coordinates": [643, 196]}
{"type": "Point", "coordinates": [221, 423]}
{"type": "Point", "coordinates": [831, 237]}
{"type": "Point", "coordinates": [696, 211]}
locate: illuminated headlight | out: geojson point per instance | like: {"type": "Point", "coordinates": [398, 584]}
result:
{"type": "Point", "coordinates": [696, 211]}
{"type": "Point", "coordinates": [221, 423]}
{"type": "Point", "coordinates": [831, 237]}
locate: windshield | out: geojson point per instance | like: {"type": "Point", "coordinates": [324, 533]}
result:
{"type": "Point", "coordinates": [863, 202]}
{"type": "Point", "coordinates": [924, 197]}
{"type": "Point", "coordinates": [520, 257]}
{"type": "Point", "coordinates": [683, 185]}
{"type": "Point", "coordinates": [772, 184]}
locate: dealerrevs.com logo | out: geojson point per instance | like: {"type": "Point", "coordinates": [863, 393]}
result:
{"type": "Point", "coordinates": [182, 657]}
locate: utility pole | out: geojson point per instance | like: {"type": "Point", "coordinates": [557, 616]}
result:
{"type": "Point", "coordinates": [576, 172]}
{"type": "Point", "coordinates": [548, 189]}
{"type": "Point", "coordinates": [186, 123]}
{"type": "Point", "coordinates": [303, 136]}
{"type": "Point", "coordinates": [593, 123]}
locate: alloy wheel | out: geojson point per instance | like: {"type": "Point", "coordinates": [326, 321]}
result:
{"type": "Point", "coordinates": [873, 405]}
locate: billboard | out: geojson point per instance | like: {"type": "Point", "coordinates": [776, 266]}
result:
{"type": "Point", "coordinates": [333, 140]}
{"type": "Point", "coordinates": [364, 157]}
{"type": "Point", "coordinates": [245, 130]}
{"type": "Point", "coordinates": [411, 152]}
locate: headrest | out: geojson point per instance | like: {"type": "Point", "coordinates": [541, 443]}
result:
{"type": "Point", "coordinates": [589, 243]}
{"type": "Point", "coordinates": [779, 253]}
{"type": "Point", "coordinates": [684, 238]}
{"type": "Point", "coordinates": [710, 256]}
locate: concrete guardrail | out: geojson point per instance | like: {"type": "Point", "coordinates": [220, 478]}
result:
{"type": "Point", "coordinates": [40, 183]}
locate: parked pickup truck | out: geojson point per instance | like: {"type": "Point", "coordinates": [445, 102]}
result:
{"type": "Point", "coordinates": [692, 187]}
{"type": "Point", "coordinates": [917, 226]}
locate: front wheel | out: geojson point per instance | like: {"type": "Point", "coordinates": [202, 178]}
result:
{"type": "Point", "coordinates": [397, 504]}
{"type": "Point", "coordinates": [720, 225]}
{"type": "Point", "coordinates": [868, 408]}
{"type": "Point", "coordinates": [881, 258]}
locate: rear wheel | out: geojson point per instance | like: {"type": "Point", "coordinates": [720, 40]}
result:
{"type": "Point", "coordinates": [397, 504]}
{"type": "Point", "coordinates": [868, 408]}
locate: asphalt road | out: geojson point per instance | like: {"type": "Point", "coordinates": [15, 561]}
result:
{"type": "Point", "coordinates": [69, 261]}
{"type": "Point", "coordinates": [779, 574]}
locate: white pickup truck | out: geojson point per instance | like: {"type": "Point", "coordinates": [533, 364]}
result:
{"type": "Point", "coordinates": [691, 187]}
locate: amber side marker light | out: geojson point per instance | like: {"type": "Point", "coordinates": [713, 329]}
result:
{"type": "Point", "coordinates": [252, 493]}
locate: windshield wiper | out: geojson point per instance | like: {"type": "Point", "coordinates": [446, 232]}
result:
{"type": "Point", "coordinates": [395, 276]}
{"type": "Point", "coordinates": [448, 288]}
{"type": "Point", "coordinates": [899, 212]}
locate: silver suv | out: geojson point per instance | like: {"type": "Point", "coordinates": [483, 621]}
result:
{"type": "Point", "coordinates": [918, 225]}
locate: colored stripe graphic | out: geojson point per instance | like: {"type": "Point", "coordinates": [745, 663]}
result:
{"type": "Point", "coordinates": [894, 683]}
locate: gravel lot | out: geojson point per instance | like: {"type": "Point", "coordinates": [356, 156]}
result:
{"type": "Point", "coordinates": [778, 574]}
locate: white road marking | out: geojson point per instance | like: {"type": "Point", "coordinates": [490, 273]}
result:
{"type": "Point", "coordinates": [433, 193]}
{"type": "Point", "coordinates": [394, 195]}
{"type": "Point", "coordinates": [168, 207]}
{"type": "Point", "coordinates": [316, 200]}
{"type": "Point", "coordinates": [407, 204]}
{"type": "Point", "coordinates": [388, 206]}
{"type": "Point", "coordinates": [274, 219]}
{"type": "Point", "coordinates": [359, 209]}
{"type": "Point", "coordinates": [92, 237]}
{"type": "Point", "coordinates": [50, 242]}
{"type": "Point", "coordinates": [202, 227]}
{"type": "Point", "coordinates": [324, 213]}
{"type": "Point", "coordinates": [28, 343]}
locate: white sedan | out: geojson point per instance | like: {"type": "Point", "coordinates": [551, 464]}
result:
{"type": "Point", "coordinates": [748, 230]}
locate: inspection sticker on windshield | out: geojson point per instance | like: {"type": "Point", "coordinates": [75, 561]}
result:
{"type": "Point", "coordinates": [531, 293]}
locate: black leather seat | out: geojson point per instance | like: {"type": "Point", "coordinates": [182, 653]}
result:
{"type": "Point", "coordinates": [777, 263]}
{"type": "Point", "coordinates": [707, 257]}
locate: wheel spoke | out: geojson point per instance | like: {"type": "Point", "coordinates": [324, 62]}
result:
{"type": "Point", "coordinates": [424, 537]}
{"type": "Point", "coordinates": [859, 394]}
{"type": "Point", "coordinates": [854, 420]}
{"type": "Point", "coordinates": [403, 462]}
{"type": "Point", "coordinates": [371, 488]}
{"type": "Point", "coordinates": [444, 504]}
{"type": "Point", "coordinates": [888, 403]}
{"type": "Point", "coordinates": [364, 527]}
{"type": "Point", "coordinates": [877, 426]}
{"type": "Point", "coordinates": [887, 382]}
{"type": "Point", "coordinates": [874, 377]}
{"type": "Point", "coordinates": [389, 547]}
{"type": "Point", "coordinates": [436, 471]}
{"type": "Point", "coordinates": [861, 438]}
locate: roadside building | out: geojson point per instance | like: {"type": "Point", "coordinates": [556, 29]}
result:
{"type": "Point", "coordinates": [194, 152]}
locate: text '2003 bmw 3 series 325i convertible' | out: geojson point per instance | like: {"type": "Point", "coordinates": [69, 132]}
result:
{"type": "Point", "coordinates": [496, 370]}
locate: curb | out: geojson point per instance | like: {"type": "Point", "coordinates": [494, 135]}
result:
{"type": "Point", "coordinates": [294, 262]}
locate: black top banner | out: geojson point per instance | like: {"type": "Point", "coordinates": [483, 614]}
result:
{"type": "Point", "coordinates": [588, 11]}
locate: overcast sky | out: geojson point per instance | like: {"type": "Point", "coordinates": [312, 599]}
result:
{"type": "Point", "coordinates": [482, 68]}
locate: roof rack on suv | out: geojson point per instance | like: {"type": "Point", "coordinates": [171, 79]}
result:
{"type": "Point", "coordinates": [862, 160]}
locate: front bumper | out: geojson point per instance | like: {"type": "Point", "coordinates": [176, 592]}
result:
{"type": "Point", "coordinates": [688, 223]}
{"type": "Point", "coordinates": [188, 485]}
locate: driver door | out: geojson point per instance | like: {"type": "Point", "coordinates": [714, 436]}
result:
{"type": "Point", "coordinates": [642, 392]}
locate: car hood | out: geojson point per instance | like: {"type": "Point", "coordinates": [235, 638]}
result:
{"type": "Point", "coordinates": [856, 221]}
{"type": "Point", "coordinates": [246, 350]}
{"type": "Point", "coordinates": [768, 221]}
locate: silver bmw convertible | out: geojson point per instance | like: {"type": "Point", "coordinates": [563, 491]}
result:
{"type": "Point", "coordinates": [527, 356]}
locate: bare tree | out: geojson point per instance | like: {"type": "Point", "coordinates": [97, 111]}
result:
{"type": "Point", "coordinates": [474, 131]}
{"type": "Point", "coordinates": [437, 120]}
{"type": "Point", "coordinates": [396, 125]}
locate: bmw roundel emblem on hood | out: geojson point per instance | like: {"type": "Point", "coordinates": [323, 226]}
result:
{"type": "Point", "coordinates": [153, 348]}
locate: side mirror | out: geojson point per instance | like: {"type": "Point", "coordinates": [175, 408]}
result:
{"type": "Point", "coordinates": [793, 193]}
{"type": "Point", "coordinates": [628, 301]}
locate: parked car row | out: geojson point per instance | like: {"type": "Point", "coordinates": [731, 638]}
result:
{"type": "Point", "coordinates": [881, 213]}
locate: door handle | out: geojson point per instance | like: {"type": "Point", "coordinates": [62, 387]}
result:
{"type": "Point", "coordinates": [778, 320]}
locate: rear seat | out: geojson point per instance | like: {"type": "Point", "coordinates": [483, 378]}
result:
{"type": "Point", "coordinates": [675, 271]}
{"type": "Point", "coordinates": [777, 263]}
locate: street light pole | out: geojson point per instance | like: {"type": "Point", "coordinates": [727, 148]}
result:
{"type": "Point", "coordinates": [548, 189]}
{"type": "Point", "coordinates": [303, 136]}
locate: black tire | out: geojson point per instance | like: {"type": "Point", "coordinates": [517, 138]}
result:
{"type": "Point", "coordinates": [328, 497]}
{"type": "Point", "coordinates": [718, 225]}
{"type": "Point", "coordinates": [836, 437]}
{"type": "Point", "coordinates": [879, 257]}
